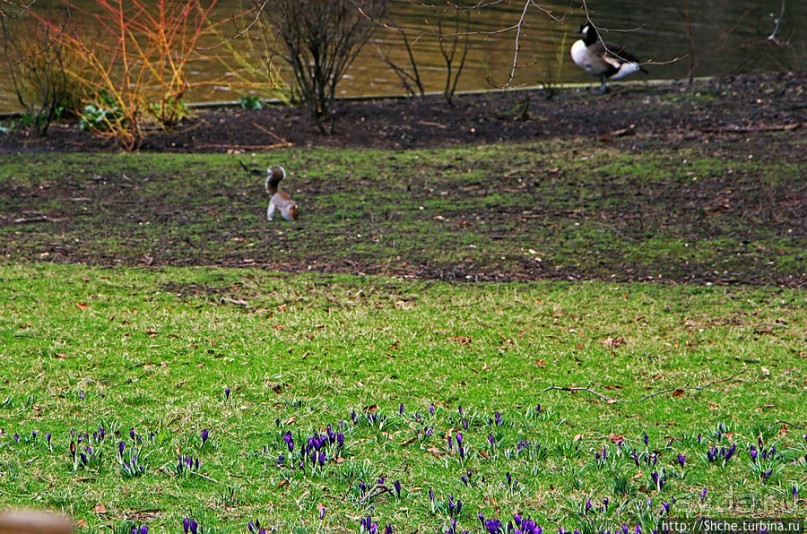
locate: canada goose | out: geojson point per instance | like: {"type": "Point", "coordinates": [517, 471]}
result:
{"type": "Point", "coordinates": [604, 60]}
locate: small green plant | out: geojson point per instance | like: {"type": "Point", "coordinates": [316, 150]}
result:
{"type": "Point", "coordinates": [169, 111]}
{"type": "Point", "coordinates": [102, 114]}
{"type": "Point", "coordinates": [251, 102]}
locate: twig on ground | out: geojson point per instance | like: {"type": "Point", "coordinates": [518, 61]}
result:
{"type": "Point", "coordinates": [380, 489]}
{"type": "Point", "coordinates": [606, 398]}
{"type": "Point", "coordinates": [694, 388]}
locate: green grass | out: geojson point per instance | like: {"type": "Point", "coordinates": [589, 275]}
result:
{"type": "Point", "coordinates": [153, 349]}
{"type": "Point", "coordinates": [90, 338]}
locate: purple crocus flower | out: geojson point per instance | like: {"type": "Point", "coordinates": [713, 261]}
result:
{"type": "Point", "coordinates": [605, 501]}
{"type": "Point", "coordinates": [193, 526]}
{"type": "Point", "coordinates": [491, 439]}
{"type": "Point", "coordinates": [321, 458]}
{"type": "Point", "coordinates": [587, 507]}
{"type": "Point", "coordinates": [665, 508]}
{"type": "Point", "coordinates": [205, 435]}
{"type": "Point", "coordinates": [362, 486]}
{"type": "Point", "coordinates": [388, 529]}
{"type": "Point", "coordinates": [47, 437]}
{"type": "Point", "coordinates": [401, 409]}
{"type": "Point", "coordinates": [322, 510]}
{"type": "Point", "coordinates": [121, 447]}
{"type": "Point", "coordinates": [287, 437]}
{"type": "Point", "coordinates": [494, 526]}
{"type": "Point", "coordinates": [753, 452]}
{"type": "Point", "coordinates": [132, 433]}
{"type": "Point", "coordinates": [144, 529]}
{"type": "Point", "coordinates": [794, 492]}
{"type": "Point", "coordinates": [16, 437]}
{"type": "Point", "coordinates": [397, 486]}
{"type": "Point", "coordinates": [431, 494]}
{"type": "Point", "coordinates": [645, 438]}
{"type": "Point", "coordinates": [703, 493]}
{"type": "Point", "coordinates": [459, 409]}
{"type": "Point", "coordinates": [450, 442]}
{"type": "Point", "coordinates": [730, 452]}
{"type": "Point", "coordinates": [537, 409]}
{"type": "Point", "coordinates": [682, 459]}
{"type": "Point", "coordinates": [498, 419]}
{"type": "Point", "coordinates": [459, 438]}
{"type": "Point", "coordinates": [431, 409]}
{"type": "Point", "coordinates": [227, 393]}
{"type": "Point", "coordinates": [367, 524]}
{"type": "Point", "coordinates": [340, 439]}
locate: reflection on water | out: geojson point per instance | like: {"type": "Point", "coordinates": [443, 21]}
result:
{"type": "Point", "coordinates": [729, 36]}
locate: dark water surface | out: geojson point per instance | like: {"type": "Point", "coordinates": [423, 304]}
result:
{"type": "Point", "coordinates": [729, 36]}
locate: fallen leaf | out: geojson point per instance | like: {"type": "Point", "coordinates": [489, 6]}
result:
{"type": "Point", "coordinates": [678, 392]}
{"type": "Point", "coordinates": [435, 451]}
{"type": "Point", "coordinates": [540, 363]}
{"type": "Point", "coordinates": [613, 343]}
{"type": "Point", "coordinates": [282, 483]}
{"type": "Point", "coordinates": [616, 438]}
{"type": "Point", "coordinates": [783, 431]}
{"type": "Point", "coordinates": [99, 509]}
{"type": "Point", "coordinates": [370, 409]}
{"type": "Point", "coordinates": [82, 306]}
{"type": "Point", "coordinates": [483, 454]}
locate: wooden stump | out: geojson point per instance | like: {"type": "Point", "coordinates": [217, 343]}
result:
{"type": "Point", "coordinates": [33, 522]}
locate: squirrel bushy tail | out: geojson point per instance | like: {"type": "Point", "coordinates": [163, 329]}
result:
{"type": "Point", "coordinates": [276, 174]}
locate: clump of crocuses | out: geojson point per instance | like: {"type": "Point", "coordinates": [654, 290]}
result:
{"type": "Point", "coordinates": [189, 526]}
{"type": "Point", "coordinates": [255, 527]}
{"type": "Point", "coordinates": [187, 465]}
{"type": "Point", "coordinates": [714, 454]}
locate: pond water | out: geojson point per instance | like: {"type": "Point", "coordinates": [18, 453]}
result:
{"type": "Point", "coordinates": [728, 36]}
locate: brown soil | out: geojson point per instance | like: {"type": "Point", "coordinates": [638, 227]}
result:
{"type": "Point", "coordinates": [670, 113]}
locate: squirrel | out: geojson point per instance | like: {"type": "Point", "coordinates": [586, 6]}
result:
{"type": "Point", "coordinates": [279, 199]}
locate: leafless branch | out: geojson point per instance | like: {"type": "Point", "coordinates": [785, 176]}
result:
{"type": "Point", "coordinates": [777, 23]}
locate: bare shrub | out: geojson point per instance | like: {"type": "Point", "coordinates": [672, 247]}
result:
{"type": "Point", "coordinates": [136, 62]}
{"type": "Point", "coordinates": [39, 67]}
{"type": "Point", "coordinates": [319, 40]}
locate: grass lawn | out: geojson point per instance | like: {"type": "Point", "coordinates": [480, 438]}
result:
{"type": "Point", "coordinates": [395, 371]}
{"type": "Point", "coordinates": [144, 380]}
